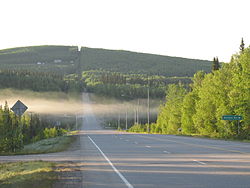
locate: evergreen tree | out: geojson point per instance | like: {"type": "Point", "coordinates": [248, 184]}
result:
{"type": "Point", "coordinates": [242, 45]}
{"type": "Point", "coordinates": [216, 64]}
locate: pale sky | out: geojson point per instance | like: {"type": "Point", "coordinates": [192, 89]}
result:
{"type": "Point", "coordinates": [200, 29]}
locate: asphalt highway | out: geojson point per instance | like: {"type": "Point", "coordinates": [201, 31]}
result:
{"type": "Point", "coordinates": [116, 159]}
{"type": "Point", "coordinates": [106, 159]}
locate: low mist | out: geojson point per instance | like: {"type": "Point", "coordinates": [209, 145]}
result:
{"type": "Point", "coordinates": [43, 102]}
{"type": "Point", "coordinates": [68, 104]}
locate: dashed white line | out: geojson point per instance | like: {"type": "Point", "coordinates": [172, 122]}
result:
{"type": "Point", "coordinates": [199, 162]}
{"type": "Point", "coordinates": [167, 152]}
{"type": "Point", "coordinates": [136, 142]}
{"type": "Point", "coordinates": [148, 146]}
{"type": "Point", "coordinates": [114, 168]}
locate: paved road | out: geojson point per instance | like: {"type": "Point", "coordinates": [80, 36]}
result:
{"type": "Point", "coordinates": [104, 158]}
{"type": "Point", "coordinates": [136, 160]}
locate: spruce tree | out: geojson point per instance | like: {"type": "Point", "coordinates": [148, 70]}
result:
{"type": "Point", "coordinates": [242, 46]}
{"type": "Point", "coordinates": [216, 64]}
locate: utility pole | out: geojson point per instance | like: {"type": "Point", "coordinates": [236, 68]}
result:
{"type": "Point", "coordinates": [138, 121]}
{"type": "Point", "coordinates": [118, 127]}
{"type": "Point", "coordinates": [126, 119]}
{"type": "Point", "coordinates": [148, 109]}
{"type": "Point", "coordinates": [135, 116]}
{"type": "Point", "coordinates": [76, 121]}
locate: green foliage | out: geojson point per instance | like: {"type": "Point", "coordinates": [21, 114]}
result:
{"type": "Point", "coordinates": [138, 128]}
{"type": "Point", "coordinates": [169, 119]}
{"type": "Point", "coordinates": [16, 131]}
{"type": "Point", "coordinates": [50, 132]}
{"type": "Point", "coordinates": [216, 64]}
{"type": "Point", "coordinates": [188, 111]}
{"type": "Point", "coordinates": [53, 132]}
{"type": "Point", "coordinates": [50, 145]}
{"type": "Point", "coordinates": [27, 174]}
{"type": "Point", "coordinates": [128, 86]}
{"type": "Point", "coordinates": [242, 46]}
{"type": "Point", "coordinates": [199, 111]}
{"type": "Point", "coordinates": [58, 68]}
{"type": "Point", "coordinates": [57, 59]}
{"type": "Point", "coordinates": [34, 54]}
{"type": "Point", "coordinates": [45, 59]}
{"type": "Point", "coordinates": [10, 130]}
{"type": "Point", "coordinates": [140, 63]}
{"type": "Point", "coordinates": [38, 81]}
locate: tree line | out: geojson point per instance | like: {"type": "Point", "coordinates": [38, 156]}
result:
{"type": "Point", "coordinates": [139, 63]}
{"type": "Point", "coordinates": [17, 131]}
{"type": "Point", "coordinates": [199, 110]}
{"type": "Point", "coordinates": [113, 84]}
{"type": "Point", "coordinates": [37, 81]}
{"type": "Point", "coordinates": [128, 86]}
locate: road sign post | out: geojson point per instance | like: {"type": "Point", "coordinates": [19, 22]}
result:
{"type": "Point", "coordinates": [19, 108]}
{"type": "Point", "coordinates": [232, 118]}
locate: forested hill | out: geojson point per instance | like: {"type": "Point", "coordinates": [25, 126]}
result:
{"type": "Point", "coordinates": [56, 59]}
{"type": "Point", "coordinates": [35, 54]}
{"type": "Point", "coordinates": [65, 60]}
{"type": "Point", "coordinates": [140, 63]}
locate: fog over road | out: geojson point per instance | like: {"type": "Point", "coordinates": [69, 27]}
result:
{"type": "Point", "coordinates": [106, 158]}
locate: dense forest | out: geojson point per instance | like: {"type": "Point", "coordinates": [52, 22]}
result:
{"type": "Point", "coordinates": [128, 86]}
{"type": "Point", "coordinates": [140, 63]}
{"type": "Point", "coordinates": [225, 91]}
{"type": "Point", "coordinates": [38, 81]}
{"type": "Point", "coordinates": [193, 105]}
{"type": "Point", "coordinates": [42, 54]}
{"type": "Point", "coordinates": [114, 73]}
{"type": "Point", "coordinates": [70, 60]}
{"type": "Point", "coordinates": [15, 131]}
{"type": "Point", "coordinates": [53, 59]}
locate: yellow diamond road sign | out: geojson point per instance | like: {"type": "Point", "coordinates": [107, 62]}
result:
{"type": "Point", "coordinates": [19, 108]}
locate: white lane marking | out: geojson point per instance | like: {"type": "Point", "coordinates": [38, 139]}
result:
{"type": "Point", "coordinates": [121, 138]}
{"type": "Point", "coordinates": [167, 152]}
{"type": "Point", "coordinates": [148, 146]}
{"type": "Point", "coordinates": [127, 140]}
{"type": "Point", "coordinates": [114, 168]}
{"type": "Point", "coordinates": [136, 142]}
{"type": "Point", "coordinates": [199, 162]}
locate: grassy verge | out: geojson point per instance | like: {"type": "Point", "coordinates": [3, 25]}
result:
{"type": "Point", "coordinates": [27, 174]}
{"type": "Point", "coordinates": [50, 145]}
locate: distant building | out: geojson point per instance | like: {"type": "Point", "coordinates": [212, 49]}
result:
{"type": "Point", "coordinates": [57, 61]}
{"type": "Point", "coordinates": [40, 63]}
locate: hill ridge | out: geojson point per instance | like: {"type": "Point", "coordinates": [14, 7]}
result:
{"type": "Point", "coordinates": [124, 61]}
